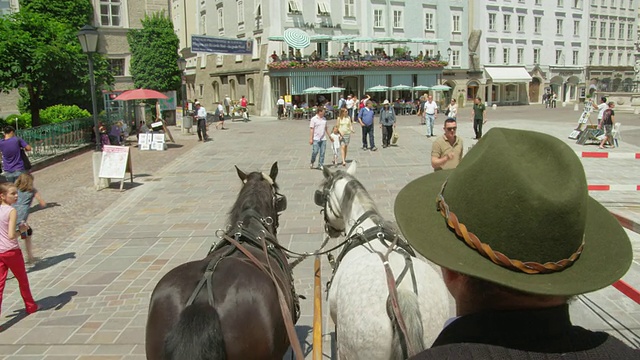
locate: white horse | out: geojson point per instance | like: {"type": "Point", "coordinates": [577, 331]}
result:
{"type": "Point", "coordinates": [358, 293]}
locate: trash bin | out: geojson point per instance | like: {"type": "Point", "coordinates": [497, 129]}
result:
{"type": "Point", "coordinates": [187, 124]}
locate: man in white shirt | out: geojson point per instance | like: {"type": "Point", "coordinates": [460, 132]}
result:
{"type": "Point", "coordinates": [350, 107]}
{"type": "Point", "coordinates": [431, 112]}
{"type": "Point", "coordinates": [280, 104]}
{"type": "Point", "coordinates": [201, 117]}
{"type": "Point", "coordinates": [601, 108]}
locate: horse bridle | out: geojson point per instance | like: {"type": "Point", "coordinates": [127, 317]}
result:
{"type": "Point", "coordinates": [321, 198]}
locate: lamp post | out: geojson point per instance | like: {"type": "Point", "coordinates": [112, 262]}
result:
{"type": "Point", "coordinates": [182, 65]}
{"type": "Point", "coordinates": [88, 37]}
{"type": "Point", "coordinates": [449, 56]}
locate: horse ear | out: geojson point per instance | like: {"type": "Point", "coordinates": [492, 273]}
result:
{"type": "Point", "coordinates": [241, 174]}
{"type": "Point", "coordinates": [274, 171]}
{"type": "Point", "coordinates": [351, 170]}
{"type": "Point", "coordinates": [326, 172]}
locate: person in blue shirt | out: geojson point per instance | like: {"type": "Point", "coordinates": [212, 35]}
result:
{"type": "Point", "coordinates": [365, 117]}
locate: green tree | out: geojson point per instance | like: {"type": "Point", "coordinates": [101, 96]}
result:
{"type": "Point", "coordinates": [76, 13]}
{"type": "Point", "coordinates": [43, 58]}
{"type": "Point", "coordinates": [154, 54]}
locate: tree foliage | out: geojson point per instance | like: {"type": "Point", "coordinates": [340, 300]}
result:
{"type": "Point", "coordinates": [42, 56]}
{"type": "Point", "coordinates": [76, 13]}
{"type": "Point", "coordinates": [154, 54]}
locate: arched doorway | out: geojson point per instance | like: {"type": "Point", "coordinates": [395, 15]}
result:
{"type": "Point", "coordinates": [216, 92]}
{"type": "Point", "coordinates": [232, 89]}
{"type": "Point", "coordinates": [555, 85]}
{"type": "Point", "coordinates": [534, 90]}
{"type": "Point", "coordinates": [472, 90]}
{"type": "Point", "coordinates": [350, 83]}
{"type": "Point", "coordinates": [572, 88]}
{"type": "Point", "coordinates": [250, 91]}
{"type": "Point", "coordinates": [627, 85]}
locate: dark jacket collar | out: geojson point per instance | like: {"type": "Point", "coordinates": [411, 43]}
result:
{"type": "Point", "coordinates": [542, 330]}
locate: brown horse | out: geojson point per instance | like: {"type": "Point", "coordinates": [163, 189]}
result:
{"type": "Point", "coordinates": [224, 306]}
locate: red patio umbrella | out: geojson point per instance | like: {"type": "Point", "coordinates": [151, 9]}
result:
{"type": "Point", "coordinates": [140, 94]}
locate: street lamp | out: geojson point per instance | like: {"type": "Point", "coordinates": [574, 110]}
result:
{"type": "Point", "coordinates": [182, 65]}
{"type": "Point", "coordinates": [88, 37]}
{"type": "Point", "coordinates": [448, 55]}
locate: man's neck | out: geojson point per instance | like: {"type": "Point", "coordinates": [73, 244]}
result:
{"type": "Point", "coordinates": [9, 135]}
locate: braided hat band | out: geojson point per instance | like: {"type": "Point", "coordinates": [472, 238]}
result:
{"type": "Point", "coordinates": [528, 267]}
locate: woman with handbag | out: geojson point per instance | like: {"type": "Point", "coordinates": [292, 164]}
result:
{"type": "Point", "coordinates": [12, 148]}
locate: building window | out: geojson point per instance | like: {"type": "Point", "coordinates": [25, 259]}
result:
{"type": "Point", "coordinates": [603, 29]}
{"type": "Point", "coordinates": [536, 24]}
{"type": "Point", "coordinates": [612, 30]}
{"type": "Point", "coordinates": [576, 27]}
{"type": "Point", "coordinates": [630, 31]}
{"type": "Point", "coordinates": [349, 8]}
{"type": "Point", "coordinates": [610, 59]}
{"type": "Point", "coordinates": [110, 12]}
{"type": "Point", "coordinates": [428, 21]}
{"type": "Point", "coordinates": [250, 92]}
{"type": "Point", "coordinates": [591, 55]}
{"type": "Point", "coordinates": [116, 67]}
{"type": "Point", "coordinates": [505, 56]}
{"type": "Point", "coordinates": [577, 4]}
{"type": "Point", "coordinates": [559, 24]}
{"type": "Point", "coordinates": [536, 56]}
{"type": "Point", "coordinates": [397, 19]}
{"type": "Point", "coordinates": [455, 58]}
{"type": "Point", "coordinates": [220, 20]}
{"type": "Point", "coordinates": [506, 27]}
{"type": "Point", "coordinates": [558, 56]}
{"type": "Point", "coordinates": [560, 3]}
{"type": "Point", "coordinates": [492, 22]}
{"type": "Point", "coordinates": [520, 56]}
{"type": "Point", "coordinates": [455, 23]}
{"type": "Point", "coordinates": [576, 55]}
{"type": "Point", "coordinates": [294, 7]}
{"type": "Point", "coordinates": [520, 23]}
{"type": "Point", "coordinates": [601, 58]}
{"type": "Point", "coordinates": [240, 11]}
{"type": "Point", "coordinates": [216, 91]}
{"type": "Point", "coordinates": [323, 8]}
{"type": "Point", "coordinates": [593, 29]}
{"type": "Point", "coordinates": [257, 42]}
{"type": "Point", "coordinates": [621, 32]}
{"type": "Point", "coordinates": [619, 59]}
{"type": "Point", "coordinates": [378, 19]}
{"type": "Point", "coordinates": [200, 91]}
{"type": "Point", "coordinates": [538, 2]}
{"type": "Point", "coordinates": [492, 55]}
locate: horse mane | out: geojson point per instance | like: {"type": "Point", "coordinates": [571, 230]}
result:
{"type": "Point", "coordinates": [257, 194]}
{"type": "Point", "coordinates": [353, 190]}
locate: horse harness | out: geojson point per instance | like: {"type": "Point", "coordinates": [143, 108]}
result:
{"type": "Point", "coordinates": [255, 233]}
{"type": "Point", "coordinates": [386, 233]}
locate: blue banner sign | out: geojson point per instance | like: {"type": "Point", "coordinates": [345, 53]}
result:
{"type": "Point", "coordinates": [211, 44]}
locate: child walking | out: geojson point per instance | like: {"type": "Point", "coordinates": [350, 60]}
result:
{"type": "Point", "coordinates": [10, 253]}
{"type": "Point", "coordinates": [26, 193]}
{"type": "Point", "coordinates": [335, 143]}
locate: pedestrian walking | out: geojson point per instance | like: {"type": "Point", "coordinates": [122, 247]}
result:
{"type": "Point", "coordinates": [335, 143]}
{"type": "Point", "coordinates": [280, 104]}
{"type": "Point", "coordinates": [10, 253]}
{"type": "Point", "coordinates": [26, 193]}
{"type": "Point", "coordinates": [345, 126]}
{"type": "Point", "coordinates": [201, 117]}
{"type": "Point", "coordinates": [601, 108]}
{"type": "Point", "coordinates": [318, 137]}
{"type": "Point", "coordinates": [452, 110]}
{"type": "Point", "coordinates": [608, 119]}
{"type": "Point", "coordinates": [11, 147]}
{"type": "Point", "coordinates": [227, 105]}
{"type": "Point", "coordinates": [446, 151]}
{"type": "Point", "coordinates": [387, 123]}
{"type": "Point", "coordinates": [431, 113]}
{"type": "Point", "coordinates": [220, 115]}
{"type": "Point", "coordinates": [365, 117]}
{"type": "Point", "coordinates": [479, 116]}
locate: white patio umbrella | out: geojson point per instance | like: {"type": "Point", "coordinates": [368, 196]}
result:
{"type": "Point", "coordinates": [400, 87]}
{"type": "Point", "coordinates": [378, 88]}
{"type": "Point", "coordinates": [440, 88]}
{"type": "Point", "coordinates": [334, 89]}
{"type": "Point", "coordinates": [314, 90]}
{"type": "Point", "coordinates": [420, 88]}
{"type": "Point", "coordinates": [296, 38]}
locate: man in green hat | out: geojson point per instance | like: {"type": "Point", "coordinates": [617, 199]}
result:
{"type": "Point", "coordinates": [517, 235]}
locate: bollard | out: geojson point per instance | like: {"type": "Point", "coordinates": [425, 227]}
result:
{"type": "Point", "coordinates": [494, 106]}
{"type": "Point", "coordinates": [564, 104]}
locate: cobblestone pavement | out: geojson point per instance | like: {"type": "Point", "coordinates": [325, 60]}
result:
{"type": "Point", "coordinates": [105, 251]}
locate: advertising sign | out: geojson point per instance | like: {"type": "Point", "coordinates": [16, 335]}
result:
{"type": "Point", "coordinates": [219, 45]}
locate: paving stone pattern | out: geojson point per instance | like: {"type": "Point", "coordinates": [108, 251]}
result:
{"type": "Point", "coordinates": [105, 251]}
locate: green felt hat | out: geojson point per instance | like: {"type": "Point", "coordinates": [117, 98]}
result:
{"type": "Point", "coordinates": [521, 198]}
